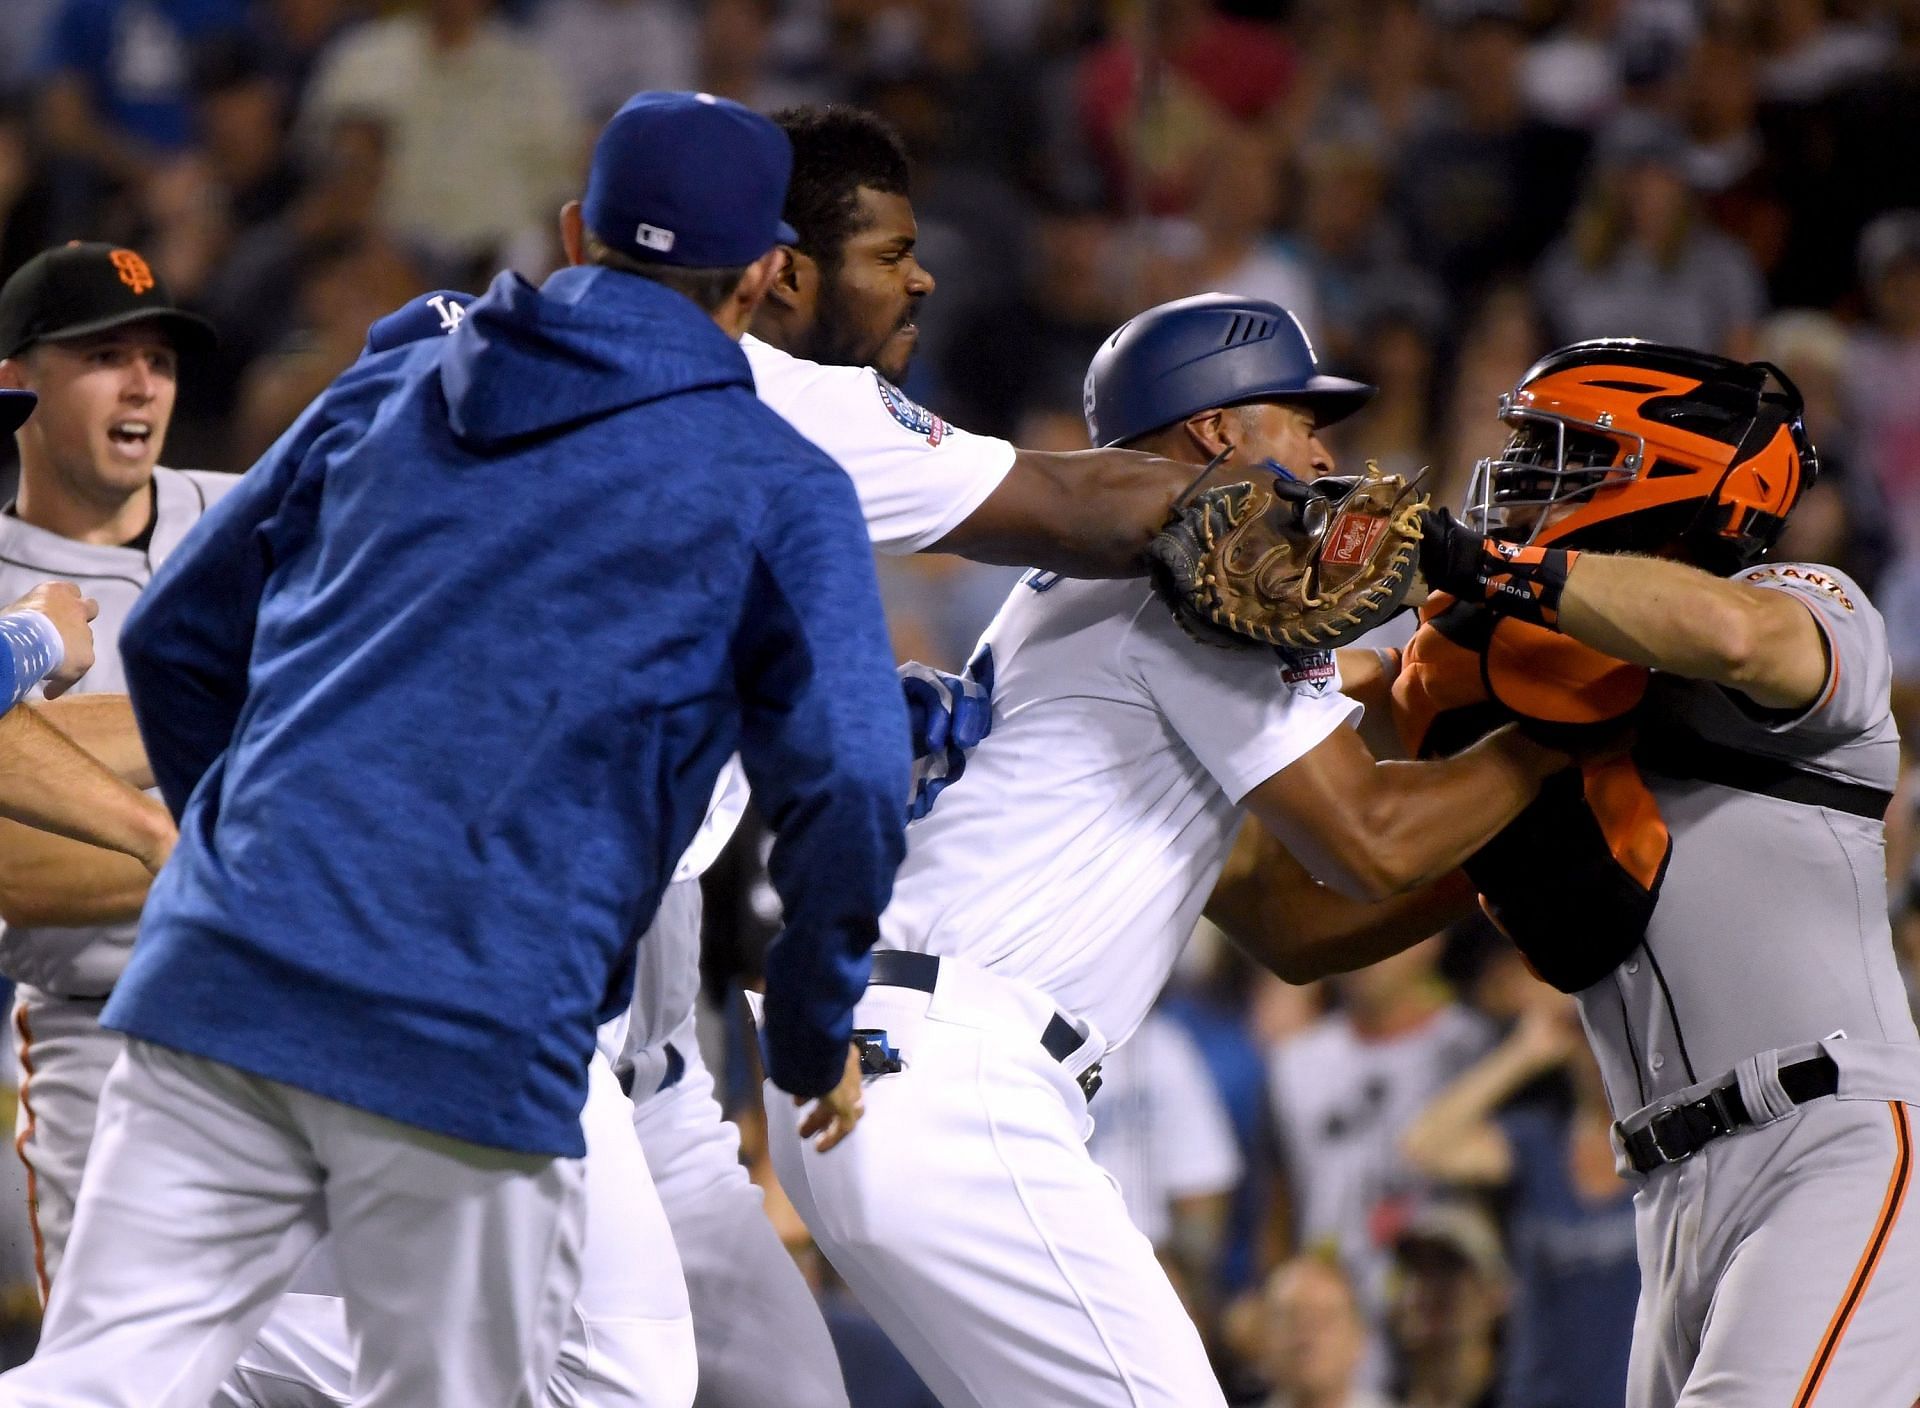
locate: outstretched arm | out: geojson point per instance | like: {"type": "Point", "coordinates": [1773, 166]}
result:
{"type": "Point", "coordinates": [1373, 830]}
{"type": "Point", "coordinates": [1084, 513]}
{"type": "Point", "coordinates": [1301, 931]}
{"type": "Point", "coordinates": [1669, 616]}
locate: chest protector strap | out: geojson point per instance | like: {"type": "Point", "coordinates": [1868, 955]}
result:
{"type": "Point", "coordinates": [1688, 758]}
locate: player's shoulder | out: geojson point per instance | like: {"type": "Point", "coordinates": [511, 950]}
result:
{"type": "Point", "coordinates": [1812, 579]}
{"type": "Point", "coordinates": [185, 494]}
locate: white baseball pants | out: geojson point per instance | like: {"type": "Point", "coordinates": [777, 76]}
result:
{"type": "Point", "coordinates": [746, 1291]}
{"type": "Point", "coordinates": [207, 1190]}
{"type": "Point", "coordinates": [628, 1341]}
{"type": "Point", "coordinates": [965, 1213]}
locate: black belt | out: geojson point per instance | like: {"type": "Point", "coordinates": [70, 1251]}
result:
{"type": "Point", "coordinates": [896, 968]}
{"type": "Point", "coordinates": [676, 1067]}
{"type": "Point", "coordinates": [1682, 1131]}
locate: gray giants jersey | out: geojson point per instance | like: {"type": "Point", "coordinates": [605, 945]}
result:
{"type": "Point", "coordinates": [87, 962]}
{"type": "Point", "coordinates": [1771, 926]}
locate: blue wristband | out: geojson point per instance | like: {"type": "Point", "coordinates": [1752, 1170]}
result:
{"type": "Point", "coordinates": [30, 649]}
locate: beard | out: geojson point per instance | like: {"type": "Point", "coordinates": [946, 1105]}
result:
{"type": "Point", "coordinates": [839, 339]}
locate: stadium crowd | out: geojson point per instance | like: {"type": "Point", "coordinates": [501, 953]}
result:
{"type": "Point", "coordinates": [1390, 1188]}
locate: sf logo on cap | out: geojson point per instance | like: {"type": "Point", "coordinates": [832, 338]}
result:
{"type": "Point", "coordinates": [133, 270]}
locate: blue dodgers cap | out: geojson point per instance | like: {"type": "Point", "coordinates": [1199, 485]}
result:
{"type": "Point", "coordinates": [430, 315]}
{"type": "Point", "coordinates": [689, 179]}
{"type": "Point", "coordinates": [15, 407]}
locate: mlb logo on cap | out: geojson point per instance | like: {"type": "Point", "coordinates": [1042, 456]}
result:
{"type": "Point", "coordinates": [689, 179]}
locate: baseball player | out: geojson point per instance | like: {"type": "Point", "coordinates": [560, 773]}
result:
{"type": "Point", "coordinates": [433, 1132]}
{"type": "Point", "coordinates": [1043, 902]}
{"type": "Point", "coordinates": [1717, 901]}
{"type": "Point", "coordinates": [92, 330]}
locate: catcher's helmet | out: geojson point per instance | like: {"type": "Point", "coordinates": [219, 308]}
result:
{"type": "Point", "coordinates": [1622, 445]}
{"type": "Point", "coordinates": [1214, 349]}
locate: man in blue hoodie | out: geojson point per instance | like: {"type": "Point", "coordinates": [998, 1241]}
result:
{"type": "Point", "coordinates": [440, 692]}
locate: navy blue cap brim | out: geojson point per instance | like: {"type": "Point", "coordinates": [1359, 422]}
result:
{"type": "Point", "coordinates": [783, 233]}
{"type": "Point", "coordinates": [1333, 398]}
{"type": "Point", "coordinates": [15, 407]}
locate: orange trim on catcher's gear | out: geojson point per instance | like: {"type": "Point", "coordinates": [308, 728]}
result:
{"type": "Point", "coordinates": [1629, 817]}
{"type": "Point", "coordinates": [1869, 1259]}
{"type": "Point", "coordinates": [20, 1147]}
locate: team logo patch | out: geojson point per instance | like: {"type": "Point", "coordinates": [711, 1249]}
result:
{"type": "Point", "coordinates": [910, 413]}
{"type": "Point", "coordinates": [1309, 672]}
{"type": "Point", "coordinates": [132, 269]}
{"type": "Point", "coordinates": [1351, 540]}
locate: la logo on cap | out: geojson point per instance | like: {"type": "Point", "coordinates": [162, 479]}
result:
{"type": "Point", "coordinates": [654, 238]}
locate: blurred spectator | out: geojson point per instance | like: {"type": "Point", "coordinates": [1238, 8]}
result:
{"type": "Point", "coordinates": [1483, 184]}
{"type": "Point", "coordinates": [1502, 341]}
{"type": "Point", "coordinates": [1162, 1132]}
{"type": "Point", "coordinates": [293, 34]}
{"type": "Point", "coordinates": [1032, 348]}
{"type": "Point", "coordinates": [483, 142]}
{"type": "Point", "coordinates": [1201, 70]}
{"type": "Point", "coordinates": [339, 295]}
{"type": "Point", "coordinates": [1811, 52]}
{"type": "Point", "coordinates": [1396, 353]}
{"type": "Point", "coordinates": [26, 194]}
{"type": "Point", "coordinates": [1883, 407]}
{"type": "Point", "coordinates": [1312, 1338]}
{"type": "Point", "coordinates": [1570, 1215]}
{"type": "Point", "coordinates": [115, 96]}
{"type": "Point", "coordinates": [1642, 262]}
{"type": "Point", "coordinates": [1728, 160]}
{"type": "Point", "coordinates": [1572, 74]}
{"type": "Point", "coordinates": [1450, 1289]}
{"type": "Point", "coordinates": [1344, 1093]}
{"type": "Point", "coordinates": [1842, 518]}
{"type": "Point", "coordinates": [1848, 177]}
{"type": "Point", "coordinates": [1352, 251]}
{"type": "Point", "coordinates": [1229, 248]}
{"type": "Point", "coordinates": [1366, 79]}
{"type": "Point", "coordinates": [608, 50]}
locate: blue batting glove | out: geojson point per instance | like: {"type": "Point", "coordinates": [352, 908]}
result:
{"type": "Point", "coordinates": [948, 716]}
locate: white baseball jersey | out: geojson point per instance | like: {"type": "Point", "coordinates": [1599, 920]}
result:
{"type": "Point", "coordinates": [86, 962]}
{"type": "Point", "coordinates": [1078, 850]}
{"type": "Point", "coordinates": [918, 478]}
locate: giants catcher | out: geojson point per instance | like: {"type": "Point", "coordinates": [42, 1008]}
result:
{"type": "Point", "coordinates": [1715, 896]}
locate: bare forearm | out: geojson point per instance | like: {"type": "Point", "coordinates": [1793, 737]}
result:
{"type": "Point", "coordinates": [49, 782]}
{"type": "Point", "coordinates": [1087, 513]}
{"type": "Point", "coordinates": [47, 879]}
{"type": "Point", "coordinates": [102, 725]}
{"type": "Point", "coordinates": [1461, 1111]}
{"type": "Point", "coordinates": [1302, 931]}
{"type": "Point", "coordinates": [1672, 617]}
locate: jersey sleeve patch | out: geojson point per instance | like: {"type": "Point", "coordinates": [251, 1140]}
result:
{"type": "Point", "coordinates": [910, 413]}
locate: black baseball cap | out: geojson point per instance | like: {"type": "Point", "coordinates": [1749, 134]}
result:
{"type": "Point", "coordinates": [79, 289]}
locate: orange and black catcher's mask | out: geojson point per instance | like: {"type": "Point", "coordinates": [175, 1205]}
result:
{"type": "Point", "coordinates": [1620, 445]}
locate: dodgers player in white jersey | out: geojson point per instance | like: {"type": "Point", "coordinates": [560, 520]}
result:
{"type": "Point", "coordinates": [833, 337]}
{"type": "Point", "coordinates": [1042, 904]}
{"type": "Point", "coordinates": [90, 328]}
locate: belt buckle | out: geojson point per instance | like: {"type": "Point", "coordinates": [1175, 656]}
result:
{"type": "Point", "coordinates": [1659, 1144]}
{"type": "Point", "coordinates": [1090, 1081]}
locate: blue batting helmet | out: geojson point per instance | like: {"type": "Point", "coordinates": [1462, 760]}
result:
{"type": "Point", "coordinates": [1214, 349]}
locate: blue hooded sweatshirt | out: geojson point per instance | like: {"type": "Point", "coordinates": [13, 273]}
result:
{"type": "Point", "coordinates": [440, 691]}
